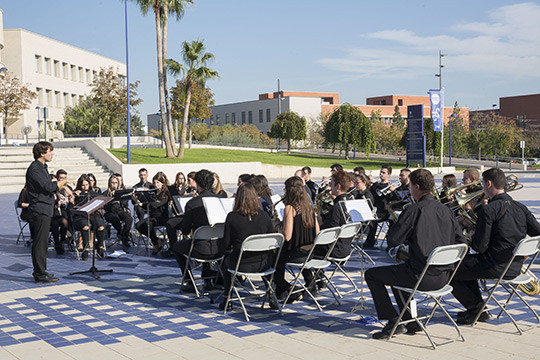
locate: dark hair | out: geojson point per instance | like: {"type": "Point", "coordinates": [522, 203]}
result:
{"type": "Point", "coordinates": [341, 178]}
{"type": "Point", "coordinates": [191, 175]}
{"type": "Point", "coordinates": [256, 182]}
{"type": "Point", "coordinates": [450, 179]}
{"type": "Point", "coordinates": [117, 174]}
{"type": "Point", "coordinates": [143, 170]}
{"type": "Point", "coordinates": [359, 170]}
{"type": "Point", "coordinates": [61, 172]}
{"type": "Point", "coordinates": [473, 173]}
{"type": "Point", "coordinates": [205, 179]}
{"type": "Point", "coordinates": [265, 189]}
{"type": "Point", "coordinates": [162, 178]}
{"type": "Point", "coordinates": [111, 178]}
{"type": "Point", "coordinates": [424, 179]}
{"type": "Point", "coordinates": [296, 196]}
{"type": "Point", "coordinates": [219, 187]}
{"type": "Point", "coordinates": [306, 169]}
{"type": "Point", "coordinates": [176, 183]}
{"type": "Point", "coordinates": [244, 177]}
{"type": "Point", "coordinates": [92, 177]}
{"type": "Point", "coordinates": [351, 175]}
{"type": "Point", "coordinates": [41, 148]}
{"type": "Point", "coordinates": [407, 170]}
{"type": "Point", "coordinates": [337, 167]}
{"type": "Point", "coordinates": [363, 178]}
{"type": "Point", "coordinates": [246, 202]}
{"type": "Point", "coordinates": [496, 176]}
{"type": "Point", "coordinates": [387, 167]}
{"type": "Point", "coordinates": [82, 178]}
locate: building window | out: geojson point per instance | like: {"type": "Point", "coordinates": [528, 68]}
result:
{"type": "Point", "coordinates": [212, 120]}
{"type": "Point", "coordinates": [48, 66]}
{"type": "Point", "coordinates": [65, 70]}
{"type": "Point", "coordinates": [400, 102]}
{"type": "Point", "coordinates": [38, 64]}
{"type": "Point", "coordinates": [88, 79]}
{"type": "Point", "coordinates": [81, 74]}
{"type": "Point", "coordinates": [66, 100]}
{"type": "Point", "coordinates": [250, 117]}
{"type": "Point", "coordinates": [56, 68]}
{"type": "Point", "coordinates": [73, 73]}
{"type": "Point", "coordinates": [57, 99]}
{"type": "Point", "coordinates": [39, 92]}
{"type": "Point", "coordinates": [226, 118]}
{"type": "Point", "coordinates": [233, 118]}
{"type": "Point", "coordinates": [261, 116]}
{"type": "Point", "coordinates": [217, 119]}
{"type": "Point", "coordinates": [267, 115]}
{"type": "Point", "coordinates": [48, 98]}
{"type": "Point", "coordinates": [243, 117]}
{"type": "Point", "coordinates": [74, 99]}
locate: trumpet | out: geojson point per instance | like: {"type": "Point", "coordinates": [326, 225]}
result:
{"type": "Point", "coordinates": [385, 191]}
{"type": "Point", "coordinates": [323, 183]}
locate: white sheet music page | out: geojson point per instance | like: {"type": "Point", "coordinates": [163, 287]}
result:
{"type": "Point", "coordinates": [215, 212]}
{"type": "Point", "coordinates": [359, 210]}
{"type": "Point", "coordinates": [280, 209]}
{"type": "Point", "coordinates": [91, 206]}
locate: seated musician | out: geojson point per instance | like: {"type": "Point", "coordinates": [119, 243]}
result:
{"type": "Point", "coordinates": [501, 224]}
{"type": "Point", "coordinates": [379, 203]}
{"type": "Point", "coordinates": [309, 183]}
{"type": "Point", "coordinates": [217, 188]}
{"type": "Point", "coordinates": [423, 226]}
{"type": "Point", "coordinates": [24, 203]}
{"type": "Point", "coordinates": [191, 184]}
{"type": "Point", "coordinates": [142, 184]}
{"type": "Point", "coordinates": [264, 199]}
{"type": "Point", "coordinates": [158, 211]}
{"type": "Point", "coordinates": [60, 220]}
{"type": "Point", "coordinates": [448, 181]}
{"type": "Point", "coordinates": [247, 218]}
{"type": "Point", "coordinates": [195, 217]}
{"type": "Point", "coordinates": [180, 183]}
{"type": "Point", "coordinates": [93, 183]}
{"type": "Point", "coordinates": [299, 228]}
{"type": "Point", "coordinates": [83, 194]}
{"type": "Point", "coordinates": [116, 212]}
{"type": "Point", "coordinates": [362, 184]}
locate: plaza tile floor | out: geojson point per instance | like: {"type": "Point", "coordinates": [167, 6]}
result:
{"type": "Point", "coordinates": [136, 312]}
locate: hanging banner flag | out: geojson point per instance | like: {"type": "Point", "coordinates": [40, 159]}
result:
{"type": "Point", "coordinates": [435, 100]}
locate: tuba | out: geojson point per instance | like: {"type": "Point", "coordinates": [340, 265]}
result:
{"type": "Point", "coordinates": [323, 202]}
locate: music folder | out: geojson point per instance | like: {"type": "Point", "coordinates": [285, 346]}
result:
{"type": "Point", "coordinates": [92, 206]}
{"type": "Point", "coordinates": [359, 210]}
{"type": "Point", "coordinates": [179, 203]}
{"type": "Point", "coordinates": [217, 208]}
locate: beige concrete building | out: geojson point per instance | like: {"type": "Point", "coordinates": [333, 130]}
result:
{"type": "Point", "coordinates": [59, 73]}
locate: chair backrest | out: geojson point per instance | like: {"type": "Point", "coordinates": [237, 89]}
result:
{"type": "Point", "coordinates": [208, 232]}
{"type": "Point", "coordinates": [527, 246]}
{"type": "Point", "coordinates": [327, 236]}
{"type": "Point", "coordinates": [263, 242]}
{"type": "Point", "coordinates": [349, 230]}
{"type": "Point", "coordinates": [448, 254]}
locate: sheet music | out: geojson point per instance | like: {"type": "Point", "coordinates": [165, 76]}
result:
{"type": "Point", "coordinates": [183, 201]}
{"type": "Point", "coordinates": [217, 209]}
{"type": "Point", "coordinates": [91, 206]}
{"type": "Point", "coordinates": [275, 198]}
{"type": "Point", "coordinates": [280, 209]}
{"type": "Point", "coordinates": [359, 210]}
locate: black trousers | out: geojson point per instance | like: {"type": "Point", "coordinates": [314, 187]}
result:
{"type": "Point", "coordinates": [172, 225]}
{"type": "Point", "coordinates": [116, 219]}
{"type": "Point", "coordinates": [370, 240]}
{"type": "Point", "coordinates": [59, 227]}
{"type": "Point", "coordinates": [146, 227]}
{"type": "Point", "coordinates": [474, 267]}
{"type": "Point", "coordinates": [229, 263]}
{"type": "Point", "coordinates": [379, 277]}
{"type": "Point", "coordinates": [203, 249]}
{"type": "Point", "coordinates": [297, 255]}
{"type": "Point", "coordinates": [96, 222]}
{"type": "Point", "coordinates": [41, 225]}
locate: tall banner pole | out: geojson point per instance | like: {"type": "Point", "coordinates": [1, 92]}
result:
{"type": "Point", "coordinates": [442, 127]}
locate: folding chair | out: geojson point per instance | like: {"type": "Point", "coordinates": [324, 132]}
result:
{"type": "Point", "coordinates": [348, 231]}
{"type": "Point", "coordinates": [207, 232]}
{"type": "Point", "coordinates": [22, 224]}
{"type": "Point", "coordinates": [442, 255]}
{"type": "Point", "coordinates": [256, 243]}
{"type": "Point", "coordinates": [326, 237]}
{"type": "Point", "coordinates": [526, 247]}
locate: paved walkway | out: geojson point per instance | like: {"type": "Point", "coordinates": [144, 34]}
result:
{"type": "Point", "coordinates": [137, 313]}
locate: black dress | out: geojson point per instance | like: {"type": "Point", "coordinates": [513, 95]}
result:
{"type": "Point", "coordinates": [158, 216]}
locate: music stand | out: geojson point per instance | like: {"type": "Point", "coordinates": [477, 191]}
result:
{"type": "Point", "coordinates": [146, 196]}
{"type": "Point", "coordinates": [88, 209]}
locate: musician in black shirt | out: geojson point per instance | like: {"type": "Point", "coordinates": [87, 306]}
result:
{"type": "Point", "coordinates": [380, 201]}
{"type": "Point", "coordinates": [117, 212]}
{"type": "Point", "coordinates": [40, 190]}
{"type": "Point", "coordinates": [422, 226]}
{"type": "Point", "coordinates": [143, 184]}
{"type": "Point", "coordinates": [501, 224]}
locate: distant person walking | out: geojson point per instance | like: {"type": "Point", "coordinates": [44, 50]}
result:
{"type": "Point", "coordinates": [41, 192]}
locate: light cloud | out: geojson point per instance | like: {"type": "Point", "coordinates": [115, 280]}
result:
{"type": "Point", "coordinates": [507, 45]}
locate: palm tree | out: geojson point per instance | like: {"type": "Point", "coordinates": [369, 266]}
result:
{"type": "Point", "coordinates": [161, 9]}
{"type": "Point", "coordinates": [195, 59]}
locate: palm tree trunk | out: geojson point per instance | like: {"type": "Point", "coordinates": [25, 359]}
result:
{"type": "Point", "coordinates": [172, 132]}
{"type": "Point", "coordinates": [111, 142]}
{"type": "Point", "coordinates": [163, 115]}
{"type": "Point", "coordinates": [185, 120]}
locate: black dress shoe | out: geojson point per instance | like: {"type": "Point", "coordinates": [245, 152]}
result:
{"type": "Point", "coordinates": [85, 255]}
{"type": "Point", "coordinates": [467, 317]}
{"type": "Point", "coordinates": [385, 332]}
{"type": "Point", "coordinates": [222, 305]}
{"type": "Point", "coordinates": [187, 288]}
{"type": "Point", "coordinates": [413, 328]}
{"type": "Point", "coordinates": [100, 254]}
{"type": "Point", "coordinates": [46, 278]}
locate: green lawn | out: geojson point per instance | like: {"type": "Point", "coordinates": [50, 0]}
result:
{"type": "Point", "coordinates": [157, 156]}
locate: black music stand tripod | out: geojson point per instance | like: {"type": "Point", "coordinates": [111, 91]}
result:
{"type": "Point", "coordinates": [88, 209]}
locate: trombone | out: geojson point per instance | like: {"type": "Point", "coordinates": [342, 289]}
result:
{"type": "Point", "coordinates": [385, 191]}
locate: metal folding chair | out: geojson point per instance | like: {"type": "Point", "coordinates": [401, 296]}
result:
{"type": "Point", "coordinates": [526, 247]}
{"type": "Point", "coordinates": [22, 224]}
{"type": "Point", "coordinates": [442, 255]}
{"type": "Point", "coordinates": [348, 231]}
{"type": "Point", "coordinates": [210, 233]}
{"type": "Point", "coordinates": [326, 237]}
{"type": "Point", "coordinates": [257, 243]}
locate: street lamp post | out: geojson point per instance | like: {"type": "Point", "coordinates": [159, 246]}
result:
{"type": "Point", "coordinates": [128, 148]}
{"type": "Point", "coordinates": [439, 75]}
{"type": "Point", "coordinates": [38, 123]}
{"type": "Point", "coordinates": [450, 139]}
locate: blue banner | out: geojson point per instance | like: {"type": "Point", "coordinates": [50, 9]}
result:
{"type": "Point", "coordinates": [436, 116]}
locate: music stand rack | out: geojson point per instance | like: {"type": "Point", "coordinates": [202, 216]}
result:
{"type": "Point", "coordinates": [88, 209]}
{"type": "Point", "coordinates": [146, 196]}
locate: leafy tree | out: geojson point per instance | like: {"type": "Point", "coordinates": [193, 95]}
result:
{"type": "Point", "coordinates": [349, 127]}
{"type": "Point", "coordinates": [200, 131]}
{"type": "Point", "coordinates": [493, 135]}
{"type": "Point", "coordinates": [315, 129]}
{"type": "Point", "coordinates": [195, 70]}
{"type": "Point", "coordinates": [289, 126]}
{"type": "Point", "coordinates": [200, 105]}
{"type": "Point", "coordinates": [109, 95]}
{"type": "Point", "coordinates": [14, 97]}
{"type": "Point", "coordinates": [385, 137]}
{"type": "Point", "coordinates": [397, 119]}
{"type": "Point", "coordinates": [162, 9]}
{"type": "Point", "coordinates": [246, 134]}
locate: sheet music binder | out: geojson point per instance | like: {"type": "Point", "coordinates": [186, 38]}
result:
{"type": "Point", "coordinates": [217, 208]}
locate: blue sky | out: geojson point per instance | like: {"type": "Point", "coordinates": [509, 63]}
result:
{"type": "Point", "coordinates": [356, 48]}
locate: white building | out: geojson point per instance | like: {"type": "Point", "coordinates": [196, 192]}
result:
{"type": "Point", "coordinates": [59, 73]}
{"type": "Point", "coordinates": [263, 112]}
